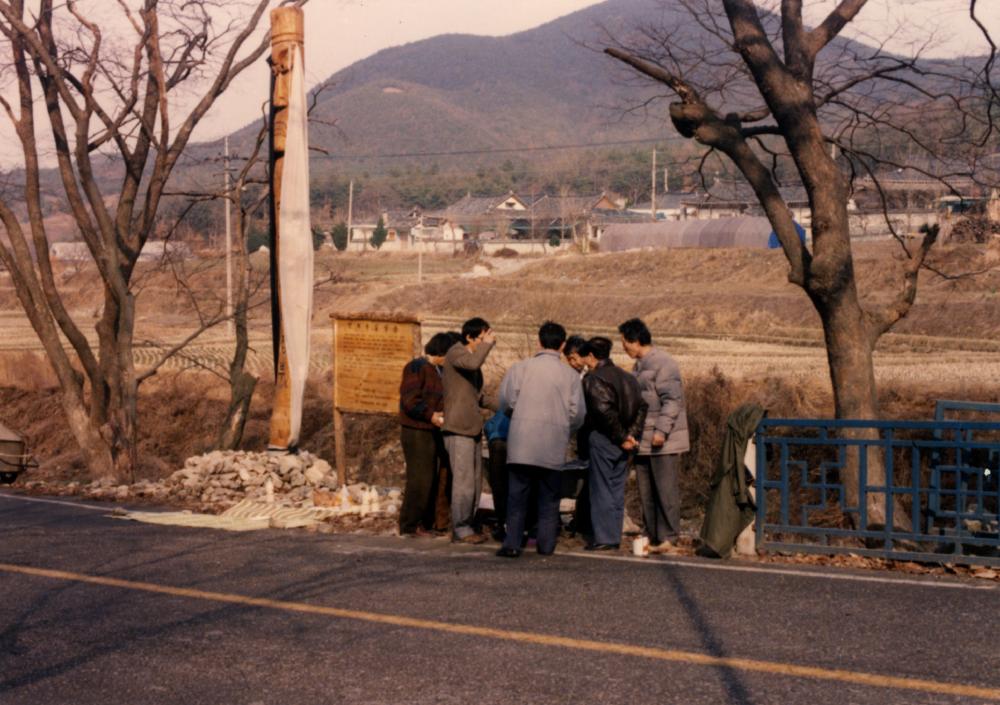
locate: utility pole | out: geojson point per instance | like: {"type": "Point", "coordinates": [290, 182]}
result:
{"type": "Point", "coordinates": [229, 242]}
{"type": "Point", "coordinates": [350, 215]}
{"type": "Point", "coordinates": [652, 189]}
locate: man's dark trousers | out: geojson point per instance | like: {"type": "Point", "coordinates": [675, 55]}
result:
{"type": "Point", "coordinates": [520, 478]}
{"type": "Point", "coordinates": [421, 453]}
{"type": "Point", "coordinates": [659, 489]}
{"type": "Point", "coordinates": [497, 475]}
{"type": "Point", "coordinates": [608, 471]}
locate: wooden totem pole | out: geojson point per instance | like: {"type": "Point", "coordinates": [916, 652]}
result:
{"type": "Point", "coordinates": [291, 238]}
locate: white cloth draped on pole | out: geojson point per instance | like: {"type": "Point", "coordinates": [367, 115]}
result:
{"type": "Point", "coordinates": [295, 246]}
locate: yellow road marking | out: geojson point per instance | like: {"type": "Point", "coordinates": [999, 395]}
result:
{"type": "Point", "coordinates": [649, 652]}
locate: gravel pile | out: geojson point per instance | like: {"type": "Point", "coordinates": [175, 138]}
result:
{"type": "Point", "coordinates": [221, 479]}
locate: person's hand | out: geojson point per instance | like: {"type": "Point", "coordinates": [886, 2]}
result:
{"type": "Point", "coordinates": [658, 439]}
{"type": "Point", "coordinates": [629, 444]}
{"type": "Point", "coordinates": [438, 419]}
{"type": "Point", "coordinates": [489, 336]}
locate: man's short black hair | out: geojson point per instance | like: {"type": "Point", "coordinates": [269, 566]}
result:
{"type": "Point", "coordinates": [635, 331]}
{"type": "Point", "coordinates": [473, 328]}
{"type": "Point", "coordinates": [573, 345]}
{"type": "Point", "coordinates": [600, 347]}
{"type": "Point", "coordinates": [551, 335]}
{"type": "Point", "coordinates": [439, 344]}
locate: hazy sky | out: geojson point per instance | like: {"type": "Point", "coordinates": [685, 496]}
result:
{"type": "Point", "coordinates": [340, 32]}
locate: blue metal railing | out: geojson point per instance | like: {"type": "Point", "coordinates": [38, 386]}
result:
{"type": "Point", "coordinates": [939, 495]}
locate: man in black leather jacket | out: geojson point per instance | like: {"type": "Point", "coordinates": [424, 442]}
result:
{"type": "Point", "coordinates": [616, 414]}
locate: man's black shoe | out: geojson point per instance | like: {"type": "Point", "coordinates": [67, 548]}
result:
{"type": "Point", "coordinates": [601, 547]}
{"type": "Point", "coordinates": [508, 553]}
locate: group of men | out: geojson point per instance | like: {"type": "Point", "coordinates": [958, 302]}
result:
{"type": "Point", "coordinates": [569, 390]}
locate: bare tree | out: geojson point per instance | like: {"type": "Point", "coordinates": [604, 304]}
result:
{"type": "Point", "coordinates": [110, 106]}
{"type": "Point", "coordinates": [751, 84]}
{"type": "Point", "coordinates": [247, 194]}
{"type": "Point", "coordinates": [241, 382]}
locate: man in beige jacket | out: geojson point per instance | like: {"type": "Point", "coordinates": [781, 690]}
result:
{"type": "Point", "coordinates": [665, 437]}
{"type": "Point", "coordinates": [463, 424]}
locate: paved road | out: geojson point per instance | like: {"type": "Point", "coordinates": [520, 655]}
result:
{"type": "Point", "coordinates": [100, 610]}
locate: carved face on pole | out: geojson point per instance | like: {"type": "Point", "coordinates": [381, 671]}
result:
{"type": "Point", "coordinates": [287, 33]}
{"type": "Point", "coordinates": [281, 67]}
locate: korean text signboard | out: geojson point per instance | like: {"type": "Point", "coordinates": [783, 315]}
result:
{"type": "Point", "coordinates": [369, 354]}
{"type": "Point", "coordinates": [368, 360]}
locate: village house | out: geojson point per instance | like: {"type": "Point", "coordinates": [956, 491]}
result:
{"type": "Point", "coordinates": [399, 225]}
{"type": "Point", "coordinates": [907, 198]}
{"type": "Point", "coordinates": [568, 217]}
{"type": "Point", "coordinates": [730, 198]}
{"type": "Point", "coordinates": [554, 222]}
{"type": "Point", "coordinates": [669, 206]}
{"type": "Point", "coordinates": [510, 221]}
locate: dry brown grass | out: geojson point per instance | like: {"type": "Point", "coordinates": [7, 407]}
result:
{"type": "Point", "coordinates": [179, 416]}
{"type": "Point", "coordinates": [734, 292]}
{"type": "Point", "coordinates": [26, 370]}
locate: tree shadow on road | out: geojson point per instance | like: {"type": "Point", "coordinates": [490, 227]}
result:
{"type": "Point", "coordinates": [712, 643]}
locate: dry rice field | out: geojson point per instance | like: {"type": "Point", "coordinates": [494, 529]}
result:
{"type": "Point", "coordinates": [726, 310]}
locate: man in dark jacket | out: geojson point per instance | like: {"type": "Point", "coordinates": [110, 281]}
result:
{"type": "Point", "coordinates": [421, 405]}
{"type": "Point", "coordinates": [616, 414]}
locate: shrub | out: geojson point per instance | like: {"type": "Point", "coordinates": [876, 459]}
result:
{"type": "Point", "coordinates": [339, 236]}
{"type": "Point", "coordinates": [319, 237]}
{"type": "Point", "coordinates": [379, 234]}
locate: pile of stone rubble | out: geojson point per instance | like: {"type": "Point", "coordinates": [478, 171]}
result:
{"type": "Point", "coordinates": [221, 479]}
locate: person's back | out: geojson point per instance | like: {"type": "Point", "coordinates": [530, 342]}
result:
{"type": "Point", "coordinates": [544, 399]}
{"type": "Point", "coordinates": [547, 409]}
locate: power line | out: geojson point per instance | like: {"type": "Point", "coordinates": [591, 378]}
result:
{"type": "Point", "coordinates": [500, 150]}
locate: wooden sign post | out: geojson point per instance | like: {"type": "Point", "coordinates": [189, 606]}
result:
{"type": "Point", "coordinates": [369, 354]}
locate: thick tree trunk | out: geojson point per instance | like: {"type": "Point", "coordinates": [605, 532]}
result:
{"type": "Point", "coordinates": [113, 409]}
{"type": "Point", "coordinates": [852, 374]}
{"type": "Point", "coordinates": [95, 450]}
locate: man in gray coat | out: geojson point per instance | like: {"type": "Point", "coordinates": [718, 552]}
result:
{"type": "Point", "coordinates": [544, 399]}
{"type": "Point", "coordinates": [462, 429]}
{"type": "Point", "coordinates": [664, 438]}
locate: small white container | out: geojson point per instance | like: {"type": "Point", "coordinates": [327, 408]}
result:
{"type": "Point", "coordinates": [640, 546]}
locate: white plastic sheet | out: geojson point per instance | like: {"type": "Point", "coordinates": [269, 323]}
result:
{"type": "Point", "coordinates": [295, 249]}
